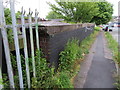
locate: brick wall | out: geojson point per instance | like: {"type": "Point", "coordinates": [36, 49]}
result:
{"type": "Point", "coordinates": [53, 44]}
{"type": "Point", "coordinates": [53, 39]}
{"type": "Point", "coordinates": [44, 39]}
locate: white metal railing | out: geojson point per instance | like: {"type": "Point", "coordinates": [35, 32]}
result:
{"type": "Point", "coordinates": [14, 27]}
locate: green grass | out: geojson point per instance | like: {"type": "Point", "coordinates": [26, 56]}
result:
{"type": "Point", "coordinates": [113, 45]}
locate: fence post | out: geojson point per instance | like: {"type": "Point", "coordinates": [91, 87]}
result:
{"type": "Point", "coordinates": [25, 47]}
{"type": "Point", "coordinates": [32, 42]}
{"type": "Point", "coordinates": [1, 81]}
{"type": "Point", "coordinates": [16, 43]}
{"type": "Point", "coordinates": [36, 25]}
{"type": "Point", "coordinates": [6, 45]}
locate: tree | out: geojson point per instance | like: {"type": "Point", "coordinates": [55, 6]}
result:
{"type": "Point", "coordinates": [105, 13]}
{"type": "Point", "coordinates": [75, 11]}
{"type": "Point", "coordinates": [52, 15]}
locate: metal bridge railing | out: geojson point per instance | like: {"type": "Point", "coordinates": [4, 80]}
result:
{"type": "Point", "coordinates": [3, 28]}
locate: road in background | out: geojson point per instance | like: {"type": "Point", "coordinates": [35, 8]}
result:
{"type": "Point", "coordinates": [116, 34]}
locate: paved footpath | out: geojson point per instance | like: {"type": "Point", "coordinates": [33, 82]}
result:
{"type": "Point", "coordinates": [100, 71]}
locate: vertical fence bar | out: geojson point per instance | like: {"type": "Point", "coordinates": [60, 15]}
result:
{"type": "Point", "coordinates": [36, 25]}
{"type": "Point", "coordinates": [6, 45]}
{"type": "Point", "coordinates": [25, 47]}
{"type": "Point", "coordinates": [16, 43]}
{"type": "Point", "coordinates": [1, 81]}
{"type": "Point", "coordinates": [32, 43]}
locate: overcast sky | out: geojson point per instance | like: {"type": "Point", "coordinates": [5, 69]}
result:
{"type": "Point", "coordinates": [44, 8]}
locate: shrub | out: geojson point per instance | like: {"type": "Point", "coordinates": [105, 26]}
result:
{"type": "Point", "coordinates": [97, 28]}
{"type": "Point", "coordinates": [63, 80]}
{"type": "Point", "coordinates": [44, 73]}
{"type": "Point", "coordinates": [69, 54]}
{"type": "Point", "coordinates": [47, 78]}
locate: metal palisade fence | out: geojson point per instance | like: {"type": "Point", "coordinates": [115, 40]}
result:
{"type": "Point", "coordinates": [3, 28]}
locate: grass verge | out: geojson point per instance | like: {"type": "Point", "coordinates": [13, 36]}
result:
{"type": "Point", "coordinates": [113, 45]}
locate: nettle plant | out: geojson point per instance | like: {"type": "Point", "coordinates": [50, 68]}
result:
{"type": "Point", "coordinates": [44, 72]}
{"type": "Point", "coordinates": [69, 55]}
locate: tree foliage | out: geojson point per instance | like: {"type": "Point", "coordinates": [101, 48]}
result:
{"type": "Point", "coordinates": [8, 15]}
{"type": "Point", "coordinates": [98, 12]}
{"type": "Point", "coordinates": [8, 20]}
{"type": "Point", "coordinates": [75, 11]}
{"type": "Point", "coordinates": [105, 13]}
{"type": "Point", "coordinates": [52, 15]}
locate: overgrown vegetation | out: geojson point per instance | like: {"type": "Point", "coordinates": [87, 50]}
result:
{"type": "Point", "coordinates": [75, 50]}
{"type": "Point", "coordinates": [73, 54]}
{"type": "Point", "coordinates": [46, 77]}
{"type": "Point", "coordinates": [44, 73]}
{"type": "Point", "coordinates": [113, 45]}
{"type": "Point", "coordinates": [97, 28]}
{"type": "Point", "coordinates": [68, 56]}
{"type": "Point", "coordinates": [118, 82]}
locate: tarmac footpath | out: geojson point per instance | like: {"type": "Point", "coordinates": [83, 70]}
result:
{"type": "Point", "coordinates": [98, 68]}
